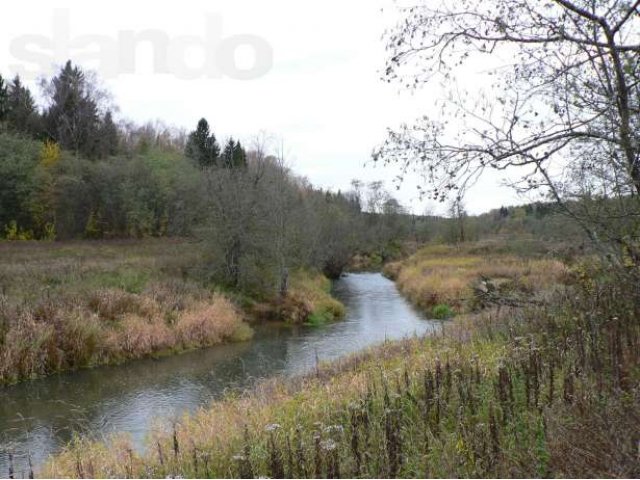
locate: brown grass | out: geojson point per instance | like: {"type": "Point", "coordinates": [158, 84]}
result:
{"type": "Point", "coordinates": [447, 275]}
{"type": "Point", "coordinates": [308, 301]}
{"type": "Point", "coordinates": [208, 323]}
{"type": "Point", "coordinates": [67, 306]}
{"type": "Point", "coordinates": [514, 393]}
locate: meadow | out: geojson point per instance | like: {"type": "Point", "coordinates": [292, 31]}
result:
{"type": "Point", "coordinates": [451, 277]}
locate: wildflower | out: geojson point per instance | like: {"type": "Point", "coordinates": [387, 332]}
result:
{"type": "Point", "coordinates": [328, 445]}
{"type": "Point", "coordinates": [272, 427]}
{"type": "Point", "coordinates": [334, 428]}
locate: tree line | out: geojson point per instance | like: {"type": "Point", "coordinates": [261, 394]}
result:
{"type": "Point", "coordinates": [68, 170]}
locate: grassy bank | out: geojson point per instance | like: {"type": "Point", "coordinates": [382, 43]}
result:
{"type": "Point", "coordinates": [73, 305]}
{"type": "Point", "coordinates": [313, 293]}
{"type": "Point", "coordinates": [546, 390]}
{"type": "Point", "coordinates": [438, 277]}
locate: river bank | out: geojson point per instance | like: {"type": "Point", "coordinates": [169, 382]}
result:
{"type": "Point", "coordinates": [514, 391]}
{"type": "Point", "coordinates": [445, 280]}
{"type": "Point", "coordinates": [74, 305]}
{"type": "Point", "coordinates": [40, 417]}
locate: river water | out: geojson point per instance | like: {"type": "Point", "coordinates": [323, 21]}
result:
{"type": "Point", "coordinates": [38, 417]}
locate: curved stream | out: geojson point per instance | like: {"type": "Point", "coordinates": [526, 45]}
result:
{"type": "Point", "coordinates": [37, 417]}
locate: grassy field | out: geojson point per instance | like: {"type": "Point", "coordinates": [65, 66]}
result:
{"type": "Point", "coordinates": [80, 304]}
{"type": "Point", "coordinates": [449, 276]}
{"type": "Point", "coordinates": [550, 389]}
{"type": "Point", "coordinates": [73, 305]}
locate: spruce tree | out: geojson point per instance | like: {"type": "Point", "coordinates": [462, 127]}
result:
{"type": "Point", "coordinates": [202, 146]}
{"type": "Point", "coordinates": [228, 154]}
{"type": "Point", "coordinates": [72, 118]}
{"type": "Point", "coordinates": [4, 106]}
{"type": "Point", "coordinates": [212, 152]}
{"type": "Point", "coordinates": [239, 156]}
{"type": "Point", "coordinates": [108, 137]}
{"type": "Point", "coordinates": [22, 115]}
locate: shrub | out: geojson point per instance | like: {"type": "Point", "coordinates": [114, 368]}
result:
{"type": "Point", "coordinates": [442, 312]}
{"type": "Point", "coordinates": [208, 323]}
{"type": "Point", "coordinates": [242, 333]}
{"type": "Point", "coordinates": [142, 337]}
{"type": "Point", "coordinates": [315, 319]}
{"type": "Point", "coordinates": [14, 233]}
{"type": "Point", "coordinates": [81, 339]}
{"type": "Point", "coordinates": [314, 291]}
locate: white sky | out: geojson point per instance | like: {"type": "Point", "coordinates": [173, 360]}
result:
{"type": "Point", "coordinates": [323, 96]}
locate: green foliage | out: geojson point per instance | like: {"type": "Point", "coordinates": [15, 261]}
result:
{"type": "Point", "coordinates": [202, 146]}
{"type": "Point", "coordinates": [22, 115]}
{"type": "Point", "coordinates": [129, 280]}
{"type": "Point", "coordinates": [149, 195]}
{"type": "Point", "coordinates": [4, 100]}
{"type": "Point", "coordinates": [19, 158]}
{"type": "Point", "coordinates": [93, 230]}
{"type": "Point", "coordinates": [243, 333]}
{"type": "Point", "coordinates": [108, 137]}
{"type": "Point", "coordinates": [319, 317]}
{"type": "Point", "coordinates": [442, 312]}
{"type": "Point", "coordinates": [72, 118]}
{"type": "Point", "coordinates": [14, 233]}
{"type": "Point", "coordinates": [49, 233]}
{"type": "Point", "coordinates": [233, 155]}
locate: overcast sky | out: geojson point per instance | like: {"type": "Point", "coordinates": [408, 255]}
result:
{"type": "Point", "coordinates": [321, 93]}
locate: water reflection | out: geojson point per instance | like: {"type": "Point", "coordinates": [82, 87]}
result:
{"type": "Point", "coordinates": [38, 417]}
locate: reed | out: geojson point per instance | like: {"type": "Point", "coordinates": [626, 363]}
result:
{"type": "Point", "coordinates": [68, 306]}
{"type": "Point", "coordinates": [445, 277]}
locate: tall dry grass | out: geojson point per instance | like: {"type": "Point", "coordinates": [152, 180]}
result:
{"type": "Point", "coordinates": [448, 275]}
{"type": "Point", "coordinates": [85, 304]}
{"type": "Point", "coordinates": [547, 391]}
{"type": "Point", "coordinates": [308, 301]}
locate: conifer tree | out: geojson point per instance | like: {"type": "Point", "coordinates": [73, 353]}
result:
{"type": "Point", "coordinates": [239, 156]}
{"type": "Point", "coordinates": [72, 119]}
{"type": "Point", "coordinates": [202, 146]}
{"type": "Point", "coordinates": [212, 151]}
{"type": "Point", "coordinates": [228, 154]}
{"type": "Point", "coordinates": [22, 115]}
{"type": "Point", "coordinates": [108, 137]}
{"type": "Point", "coordinates": [4, 107]}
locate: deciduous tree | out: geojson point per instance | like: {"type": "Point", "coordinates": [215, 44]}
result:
{"type": "Point", "coordinates": [562, 108]}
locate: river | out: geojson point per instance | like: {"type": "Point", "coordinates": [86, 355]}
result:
{"type": "Point", "coordinates": [38, 417]}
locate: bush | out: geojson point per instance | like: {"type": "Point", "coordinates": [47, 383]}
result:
{"type": "Point", "coordinates": [442, 312]}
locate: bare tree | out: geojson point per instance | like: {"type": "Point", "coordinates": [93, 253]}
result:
{"type": "Point", "coordinates": [564, 110]}
{"type": "Point", "coordinates": [284, 198]}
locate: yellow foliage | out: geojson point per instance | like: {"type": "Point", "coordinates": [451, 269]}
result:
{"type": "Point", "coordinates": [50, 154]}
{"type": "Point", "coordinates": [14, 233]}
